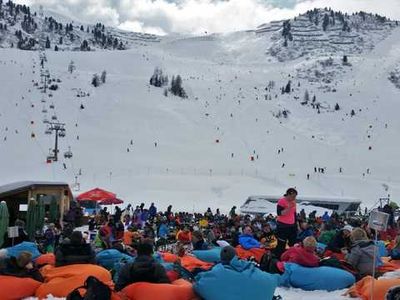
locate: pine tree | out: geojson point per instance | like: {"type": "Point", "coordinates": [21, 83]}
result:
{"type": "Point", "coordinates": [95, 80]}
{"type": "Point", "coordinates": [103, 76]}
{"type": "Point", "coordinates": [71, 67]}
{"type": "Point", "coordinates": [288, 88]}
{"type": "Point", "coordinates": [345, 60]}
{"type": "Point", "coordinates": [176, 87]}
{"type": "Point", "coordinates": [325, 23]}
{"type": "Point", "coordinates": [85, 46]}
{"type": "Point", "coordinates": [353, 113]}
{"type": "Point", "coordinates": [55, 48]}
{"type": "Point", "coordinates": [48, 43]}
{"type": "Point", "coordinates": [337, 107]}
{"type": "Point", "coordinates": [306, 96]}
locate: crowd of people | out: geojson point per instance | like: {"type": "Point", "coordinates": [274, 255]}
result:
{"type": "Point", "coordinates": [289, 236]}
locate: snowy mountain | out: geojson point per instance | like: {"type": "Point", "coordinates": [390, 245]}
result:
{"type": "Point", "coordinates": [255, 121]}
{"type": "Point", "coordinates": [325, 32]}
{"type": "Point", "coordinates": [25, 30]}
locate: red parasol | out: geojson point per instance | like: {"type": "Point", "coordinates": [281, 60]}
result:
{"type": "Point", "coordinates": [96, 195]}
{"type": "Point", "coordinates": [111, 201]}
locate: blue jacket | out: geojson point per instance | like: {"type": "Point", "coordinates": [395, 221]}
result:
{"type": "Point", "coordinates": [326, 217]}
{"type": "Point", "coordinates": [152, 211]}
{"type": "Point", "coordinates": [163, 231]}
{"type": "Point", "coordinates": [248, 242]}
{"type": "Point", "coordinates": [305, 233]}
{"type": "Point", "coordinates": [239, 280]}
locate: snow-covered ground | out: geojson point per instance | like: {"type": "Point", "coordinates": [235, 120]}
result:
{"type": "Point", "coordinates": [225, 77]}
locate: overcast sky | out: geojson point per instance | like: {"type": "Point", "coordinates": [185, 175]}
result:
{"type": "Point", "coordinates": [197, 16]}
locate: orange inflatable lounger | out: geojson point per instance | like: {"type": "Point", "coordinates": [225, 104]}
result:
{"type": "Point", "coordinates": [178, 290]}
{"type": "Point", "coordinates": [16, 288]}
{"type": "Point", "coordinates": [61, 281]}
{"type": "Point", "coordinates": [362, 288]}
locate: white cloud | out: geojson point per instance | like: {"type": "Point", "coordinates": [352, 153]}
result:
{"type": "Point", "coordinates": [196, 16]}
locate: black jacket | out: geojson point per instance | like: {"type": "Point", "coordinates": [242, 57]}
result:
{"type": "Point", "coordinates": [69, 254]}
{"type": "Point", "coordinates": [339, 242]}
{"type": "Point", "coordinates": [22, 237]}
{"type": "Point", "coordinates": [143, 269]}
{"type": "Point", "coordinates": [9, 267]}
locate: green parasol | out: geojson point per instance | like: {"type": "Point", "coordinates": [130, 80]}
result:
{"type": "Point", "coordinates": [4, 220]}
{"type": "Point", "coordinates": [31, 216]}
{"type": "Point", "coordinates": [53, 211]}
{"type": "Point", "coordinates": [40, 214]}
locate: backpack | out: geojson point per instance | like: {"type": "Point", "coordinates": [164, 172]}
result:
{"type": "Point", "coordinates": [393, 293]}
{"type": "Point", "coordinates": [268, 263]}
{"type": "Point", "coordinates": [95, 290]}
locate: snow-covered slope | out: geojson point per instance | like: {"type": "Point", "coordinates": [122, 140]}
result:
{"type": "Point", "coordinates": [229, 139]}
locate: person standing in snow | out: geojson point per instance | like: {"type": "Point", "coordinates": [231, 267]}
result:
{"type": "Point", "coordinates": [286, 221]}
{"type": "Point", "coordinates": [326, 218]}
{"type": "Point", "coordinates": [152, 211]}
{"type": "Point", "coordinates": [232, 212]}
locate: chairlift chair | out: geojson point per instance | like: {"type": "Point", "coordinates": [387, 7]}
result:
{"type": "Point", "coordinates": [54, 117]}
{"type": "Point", "coordinates": [52, 106]}
{"type": "Point", "coordinates": [61, 133]}
{"type": "Point", "coordinates": [44, 110]}
{"type": "Point", "coordinates": [68, 154]}
{"type": "Point", "coordinates": [48, 131]}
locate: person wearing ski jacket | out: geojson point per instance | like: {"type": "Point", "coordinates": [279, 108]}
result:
{"type": "Point", "coordinates": [361, 254]}
{"type": "Point", "coordinates": [247, 240]}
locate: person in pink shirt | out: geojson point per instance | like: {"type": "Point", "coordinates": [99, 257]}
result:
{"type": "Point", "coordinates": [286, 221]}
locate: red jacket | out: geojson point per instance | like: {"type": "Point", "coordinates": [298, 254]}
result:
{"type": "Point", "coordinates": [300, 255]}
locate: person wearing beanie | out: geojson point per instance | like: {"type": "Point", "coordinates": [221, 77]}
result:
{"type": "Point", "coordinates": [143, 269]}
{"type": "Point", "coordinates": [227, 254]}
{"type": "Point", "coordinates": [21, 266]}
{"type": "Point", "coordinates": [361, 254]}
{"type": "Point", "coordinates": [74, 250]}
{"type": "Point", "coordinates": [341, 240]}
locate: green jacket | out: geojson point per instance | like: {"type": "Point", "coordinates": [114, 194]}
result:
{"type": "Point", "coordinates": [326, 236]}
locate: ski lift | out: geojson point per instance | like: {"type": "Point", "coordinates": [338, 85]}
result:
{"type": "Point", "coordinates": [68, 154]}
{"type": "Point", "coordinates": [54, 117]}
{"type": "Point", "coordinates": [52, 106]}
{"type": "Point", "coordinates": [61, 133]}
{"type": "Point", "coordinates": [44, 110]}
{"type": "Point", "coordinates": [48, 131]}
{"type": "Point", "coordinates": [50, 157]}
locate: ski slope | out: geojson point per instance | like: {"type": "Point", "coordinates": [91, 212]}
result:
{"type": "Point", "coordinates": [225, 78]}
